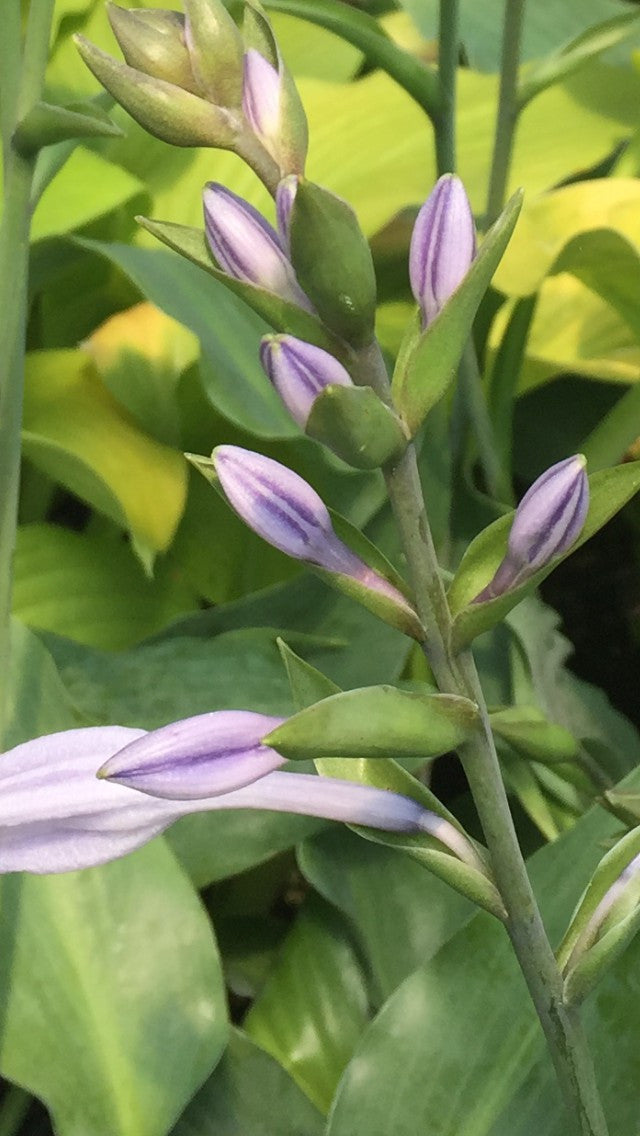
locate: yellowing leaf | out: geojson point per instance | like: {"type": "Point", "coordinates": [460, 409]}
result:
{"type": "Point", "coordinates": [75, 431]}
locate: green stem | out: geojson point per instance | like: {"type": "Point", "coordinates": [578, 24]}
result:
{"type": "Point", "coordinates": [457, 675]}
{"type": "Point", "coordinates": [507, 108]}
{"type": "Point", "coordinates": [445, 120]}
{"type": "Point", "coordinates": [254, 154]}
{"type": "Point", "coordinates": [14, 267]}
{"type": "Point", "coordinates": [471, 398]}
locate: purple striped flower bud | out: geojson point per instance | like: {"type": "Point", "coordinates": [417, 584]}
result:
{"type": "Point", "coordinates": [300, 372]}
{"type": "Point", "coordinates": [285, 197]}
{"type": "Point", "coordinates": [261, 93]}
{"type": "Point", "coordinates": [443, 245]}
{"type": "Point", "coordinates": [197, 757]}
{"type": "Point", "coordinates": [286, 512]}
{"type": "Point", "coordinates": [548, 520]}
{"type": "Point", "coordinates": [246, 246]}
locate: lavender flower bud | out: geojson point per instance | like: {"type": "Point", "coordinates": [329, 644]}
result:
{"type": "Point", "coordinates": [246, 246]}
{"type": "Point", "coordinates": [300, 372]}
{"type": "Point", "coordinates": [285, 197]}
{"type": "Point", "coordinates": [286, 512]}
{"type": "Point", "coordinates": [197, 757]}
{"type": "Point", "coordinates": [548, 520]}
{"type": "Point", "coordinates": [153, 41]}
{"type": "Point", "coordinates": [261, 98]}
{"type": "Point", "coordinates": [443, 245]}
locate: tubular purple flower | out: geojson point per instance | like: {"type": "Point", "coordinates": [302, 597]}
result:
{"type": "Point", "coordinates": [547, 522]}
{"type": "Point", "coordinates": [57, 816]}
{"type": "Point", "coordinates": [197, 757]}
{"type": "Point", "coordinates": [261, 92]}
{"type": "Point", "coordinates": [246, 246]}
{"type": "Point", "coordinates": [300, 372]}
{"type": "Point", "coordinates": [443, 246]}
{"type": "Point", "coordinates": [286, 512]}
{"type": "Point", "coordinates": [285, 197]}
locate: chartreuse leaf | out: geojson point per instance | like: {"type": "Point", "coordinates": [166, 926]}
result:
{"type": "Point", "coordinates": [527, 729]}
{"type": "Point", "coordinates": [90, 587]}
{"type": "Point", "coordinates": [113, 1004]}
{"type": "Point", "coordinates": [66, 204]}
{"type": "Point", "coordinates": [377, 721]}
{"type": "Point", "coordinates": [75, 432]}
{"type": "Point", "coordinates": [249, 1094]}
{"type": "Point", "coordinates": [609, 490]}
{"type": "Point", "coordinates": [424, 373]}
{"type": "Point", "coordinates": [280, 314]}
{"type": "Point", "coordinates": [586, 46]}
{"type": "Point", "coordinates": [307, 685]}
{"type": "Point", "coordinates": [314, 1005]}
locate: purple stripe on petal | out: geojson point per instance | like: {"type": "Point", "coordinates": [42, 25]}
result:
{"type": "Point", "coordinates": [197, 757]}
{"type": "Point", "coordinates": [300, 372]}
{"type": "Point", "coordinates": [443, 246]}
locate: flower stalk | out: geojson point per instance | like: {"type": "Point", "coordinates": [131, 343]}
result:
{"type": "Point", "coordinates": [20, 89]}
{"type": "Point", "coordinates": [458, 675]}
{"type": "Point", "coordinates": [507, 108]}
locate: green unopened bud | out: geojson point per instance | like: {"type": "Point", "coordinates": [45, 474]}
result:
{"type": "Point", "coordinates": [153, 41]}
{"type": "Point", "coordinates": [332, 261]}
{"type": "Point", "coordinates": [165, 110]}
{"type": "Point", "coordinates": [216, 49]}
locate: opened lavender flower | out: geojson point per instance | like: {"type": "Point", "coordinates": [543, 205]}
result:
{"type": "Point", "coordinates": [300, 372]}
{"type": "Point", "coordinates": [443, 245]}
{"type": "Point", "coordinates": [56, 815]}
{"type": "Point", "coordinates": [248, 247]}
{"type": "Point", "coordinates": [548, 521]}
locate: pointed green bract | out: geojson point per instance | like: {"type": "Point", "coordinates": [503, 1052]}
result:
{"type": "Point", "coordinates": [377, 721]}
{"type": "Point", "coordinates": [357, 426]}
{"type": "Point", "coordinates": [610, 489]}
{"type": "Point", "coordinates": [307, 686]}
{"type": "Point", "coordinates": [333, 263]}
{"type": "Point", "coordinates": [528, 731]}
{"type": "Point", "coordinates": [46, 124]}
{"type": "Point", "coordinates": [426, 365]}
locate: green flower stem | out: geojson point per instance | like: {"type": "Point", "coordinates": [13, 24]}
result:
{"type": "Point", "coordinates": [507, 108]}
{"type": "Point", "coordinates": [473, 404]}
{"type": "Point", "coordinates": [456, 674]}
{"type": "Point", "coordinates": [251, 150]}
{"type": "Point", "coordinates": [445, 120]}
{"type": "Point", "coordinates": [14, 267]}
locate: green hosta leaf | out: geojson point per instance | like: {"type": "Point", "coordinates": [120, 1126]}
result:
{"type": "Point", "coordinates": [589, 44]}
{"type": "Point", "coordinates": [357, 426]}
{"type": "Point", "coordinates": [91, 587]}
{"type": "Point", "coordinates": [307, 685]}
{"type": "Point", "coordinates": [401, 914]}
{"type": "Point", "coordinates": [314, 1006]}
{"type": "Point", "coordinates": [46, 124]}
{"type": "Point", "coordinates": [249, 1094]}
{"type": "Point", "coordinates": [610, 489]}
{"type": "Point", "coordinates": [67, 204]}
{"type": "Point", "coordinates": [106, 972]}
{"type": "Point", "coordinates": [510, 1088]}
{"type": "Point", "coordinates": [75, 432]}
{"type": "Point", "coordinates": [528, 731]}
{"type": "Point", "coordinates": [280, 314]}
{"type": "Point", "coordinates": [423, 375]}
{"type": "Point", "coordinates": [377, 721]}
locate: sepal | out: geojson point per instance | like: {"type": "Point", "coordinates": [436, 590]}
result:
{"type": "Point", "coordinates": [457, 859]}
